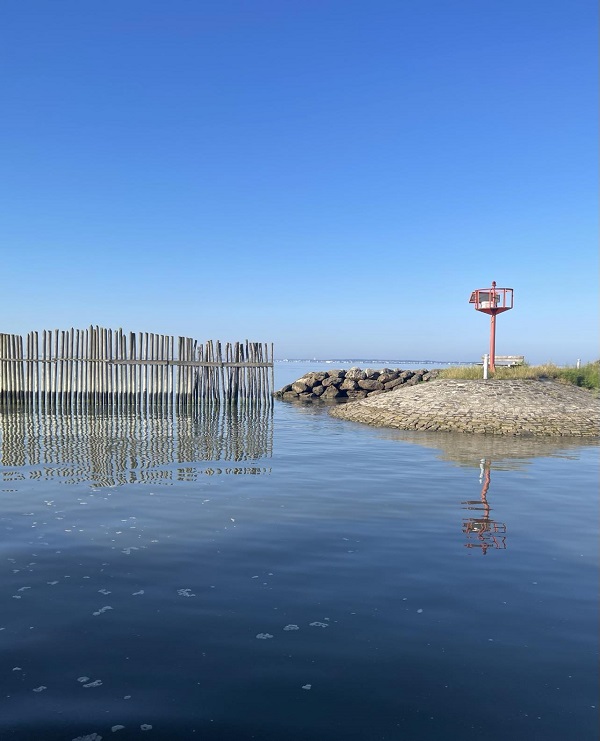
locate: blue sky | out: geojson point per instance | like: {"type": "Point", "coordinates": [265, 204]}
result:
{"type": "Point", "coordinates": [335, 177]}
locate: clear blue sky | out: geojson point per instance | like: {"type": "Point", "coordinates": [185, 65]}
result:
{"type": "Point", "coordinates": [333, 176]}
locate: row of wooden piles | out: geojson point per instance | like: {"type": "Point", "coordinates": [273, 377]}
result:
{"type": "Point", "coordinates": [97, 368]}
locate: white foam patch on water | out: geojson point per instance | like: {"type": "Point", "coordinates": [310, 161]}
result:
{"type": "Point", "coordinates": [104, 591]}
{"type": "Point", "coordinates": [22, 589]}
{"type": "Point", "coordinates": [131, 548]}
{"type": "Point", "coordinates": [292, 627]}
{"type": "Point", "coordinates": [419, 610]}
{"type": "Point", "coordinates": [41, 688]}
{"type": "Point", "coordinates": [146, 727]}
{"type": "Point", "coordinates": [264, 636]}
{"type": "Point", "coordinates": [52, 583]}
{"type": "Point", "coordinates": [89, 737]}
{"type": "Point", "coordinates": [17, 669]}
{"type": "Point", "coordinates": [136, 593]}
{"type": "Point", "coordinates": [307, 686]}
{"type": "Point", "coordinates": [102, 609]}
{"type": "Point", "coordinates": [83, 679]}
{"type": "Point", "coordinates": [117, 728]}
{"type": "Point", "coordinates": [317, 624]}
{"type": "Point", "coordinates": [95, 683]}
{"type": "Point", "coordinates": [185, 593]}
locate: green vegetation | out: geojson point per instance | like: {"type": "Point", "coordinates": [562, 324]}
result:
{"type": "Point", "coordinates": [587, 376]}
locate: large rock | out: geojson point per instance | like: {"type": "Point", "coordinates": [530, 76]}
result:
{"type": "Point", "coordinates": [356, 374]}
{"type": "Point", "coordinates": [360, 394]}
{"type": "Point", "coordinates": [390, 385]}
{"type": "Point", "coordinates": [313, 379]}
{"type": "Point", "coordinates": [370, 385]}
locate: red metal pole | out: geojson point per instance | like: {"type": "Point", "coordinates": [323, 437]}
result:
{"type": "Point", "coordinates": [493, 327]}
{"type": "Point", "coordinates": [493, 343]}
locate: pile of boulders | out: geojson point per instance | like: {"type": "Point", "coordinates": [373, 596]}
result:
{"type": "Point", "coordinates": [338, 385]}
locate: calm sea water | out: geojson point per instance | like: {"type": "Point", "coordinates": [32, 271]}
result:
{"type": "Point", "coordinates": [277, 574]}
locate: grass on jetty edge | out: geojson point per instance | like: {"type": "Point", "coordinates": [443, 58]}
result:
{"type": "Point", "coordinates": [587, 376]}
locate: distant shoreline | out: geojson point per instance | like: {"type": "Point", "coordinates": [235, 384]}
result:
{"type": "Point", "coordinates": [374, 361]}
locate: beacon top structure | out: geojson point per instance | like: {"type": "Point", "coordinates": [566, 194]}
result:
{"type": "Point", "coordinates": [492, 301]}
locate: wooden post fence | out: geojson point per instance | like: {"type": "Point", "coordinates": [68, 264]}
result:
{"type": "Point", "coordinates": [78, 369]}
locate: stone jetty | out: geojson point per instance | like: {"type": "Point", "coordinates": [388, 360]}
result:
{"type": "Point", "coordinates": [351, 384]}
{"type": "Point", "coordinates": [490, 407]}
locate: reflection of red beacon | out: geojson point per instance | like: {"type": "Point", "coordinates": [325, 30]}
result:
{"type": "Point", "coordinates": [492, 301]}
{"type": "Point", "coordinates": [482, 532]}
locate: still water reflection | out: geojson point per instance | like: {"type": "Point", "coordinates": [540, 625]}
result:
{"type": "Point", "coordinates": [111, 449]}
{"type": "Point", "coordinates": [482, 531]}
{"type": "Point", "coordinates": [342, 595]}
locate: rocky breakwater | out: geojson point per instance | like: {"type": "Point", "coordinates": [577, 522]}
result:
{"type": "Point", "coordinates": [351, 384]}
{"type": "Point", "coordinates": [492, 407]}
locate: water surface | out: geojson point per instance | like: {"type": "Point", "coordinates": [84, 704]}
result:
{"type": "Point", "coordinates": [274, 573]}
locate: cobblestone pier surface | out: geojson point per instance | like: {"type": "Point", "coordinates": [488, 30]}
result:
{"type": "Point", "coordinates": [491, 407]}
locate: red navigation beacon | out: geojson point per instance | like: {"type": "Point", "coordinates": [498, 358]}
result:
{"type": "Point", "coordinates": [492, 301]}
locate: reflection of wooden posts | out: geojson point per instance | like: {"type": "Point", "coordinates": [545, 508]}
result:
{"type": "Point", "coordinates": [111, 447]}
{"type": "Point", "coordinates": [483, 532]}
